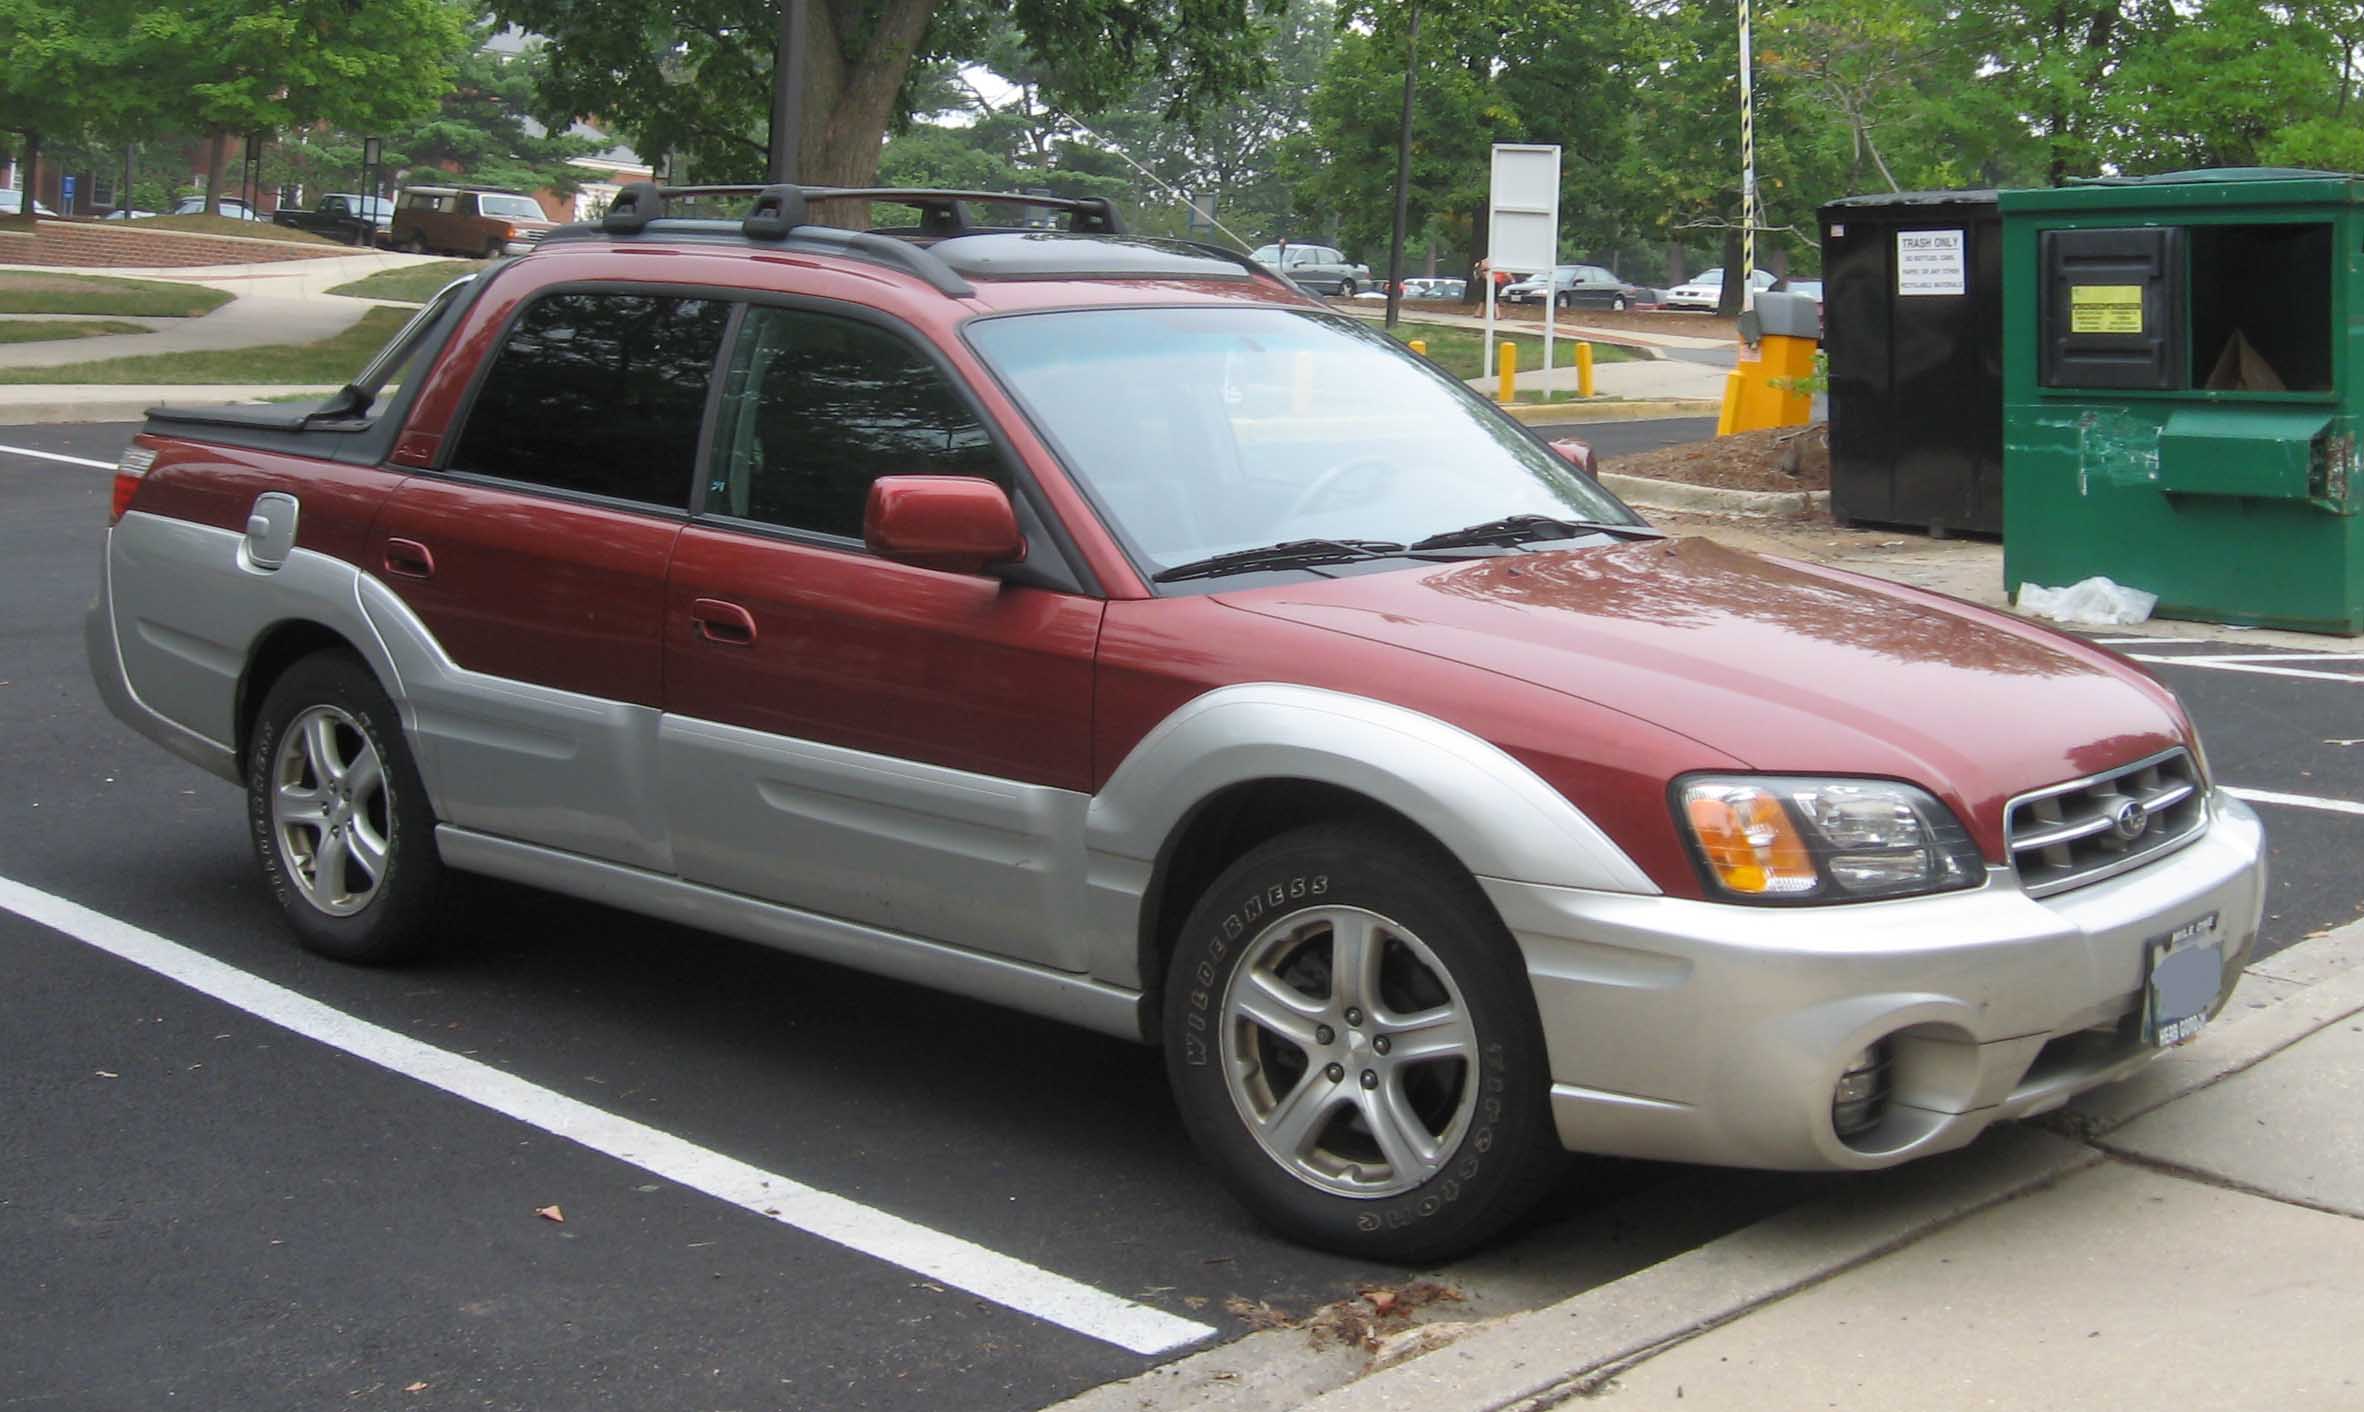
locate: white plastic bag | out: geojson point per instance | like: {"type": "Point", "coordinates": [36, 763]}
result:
{"type": "Point", "coordinates": [2096, 600]}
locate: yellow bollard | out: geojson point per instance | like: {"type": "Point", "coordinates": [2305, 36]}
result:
{"type": "Point", "coordinates": [1419, 346]}
{"type": "Point", "coordinates": [1508, 362]}
{"type": "Point", "coordinates": [1584, 370]}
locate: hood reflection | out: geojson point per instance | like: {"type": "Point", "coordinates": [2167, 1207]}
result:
{"type": "Point", "coordinates": [1698, 584]}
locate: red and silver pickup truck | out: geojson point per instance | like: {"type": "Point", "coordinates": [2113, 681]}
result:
{"type": "Point", "coordinates": [1098, 626]}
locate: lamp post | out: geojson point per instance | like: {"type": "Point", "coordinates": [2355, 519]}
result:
{"type": "Point", "coordinates": [1403, 176]}
{"type": "Point", "coordinates": [1748, 166]}
{"type": "Point", "coordinates": [787, 134]}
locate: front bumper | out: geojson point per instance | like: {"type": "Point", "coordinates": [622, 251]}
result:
{"type": "Point", "coordinates": [1713, 1032]}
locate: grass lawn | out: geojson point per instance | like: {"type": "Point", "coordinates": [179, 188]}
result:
{"type": "Point", "coordinates": [54, 330]}
{"type": "Point", "coordinates": [1461, 351]}
{"type": "Point", "coordinates": [231, 225]}
{"type": "Point", "coordinates": [415, 284]}
{"type": "Point", "coordinates": [25, 293]}
{"type": "Point", "coordinates": [330, 361]}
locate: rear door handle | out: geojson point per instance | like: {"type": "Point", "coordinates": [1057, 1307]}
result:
{"type": "Point", "coordinates": [409, 558]}
{"type": "Point", "coordinates": [724, 623]}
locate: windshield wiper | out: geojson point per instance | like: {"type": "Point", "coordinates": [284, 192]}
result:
{"type": "Point", "coordinates": [1518, 529]}
{"type": "Point", "coordinates": [1288, 554]}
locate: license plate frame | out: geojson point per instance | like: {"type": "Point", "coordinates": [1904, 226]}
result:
{"type": "Point", "coordinates": [2182, 979]}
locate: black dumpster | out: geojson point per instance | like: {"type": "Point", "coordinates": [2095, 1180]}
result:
{"type": "Point", "coordinates": [1912, 289]}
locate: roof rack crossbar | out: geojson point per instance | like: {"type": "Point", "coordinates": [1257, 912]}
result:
{"type": "Point", "coordinates": [941, 212]}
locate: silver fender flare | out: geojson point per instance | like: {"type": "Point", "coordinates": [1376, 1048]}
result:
{"type": "Point", "coordinates": [1494, 814]}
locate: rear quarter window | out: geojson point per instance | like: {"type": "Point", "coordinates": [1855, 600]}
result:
{"type": "Point", "coordinates": [600, 394]}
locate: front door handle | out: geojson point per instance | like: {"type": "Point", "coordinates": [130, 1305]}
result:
{"type": "Point", "coordinates": [724, 623]}
{"type": "Point", "coordinates": [409, 558]}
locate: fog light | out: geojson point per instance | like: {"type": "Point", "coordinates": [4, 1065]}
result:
{"type": "Point", "coordinates": [1861, 1098]}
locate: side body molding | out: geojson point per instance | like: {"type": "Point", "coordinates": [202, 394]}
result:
{"type": "Point", "coordinates": [1493, 813]}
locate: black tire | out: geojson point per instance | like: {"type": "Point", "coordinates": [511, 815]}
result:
{"type": "Point", "coordinates": [1618, 303]}
{"type": "Point", "coordinates": [1486, 1118]}
{"type": "Point", "coordinates": [1346, 289]}
{"type": "Point", "coordinates": [391, 918]}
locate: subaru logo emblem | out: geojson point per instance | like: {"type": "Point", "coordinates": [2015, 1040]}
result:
{"type": "Point", "coordinates": [2131, 819]}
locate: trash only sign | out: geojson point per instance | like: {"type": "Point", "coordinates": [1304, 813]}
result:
{"type": "Point", "coordinates": [1930, 262]}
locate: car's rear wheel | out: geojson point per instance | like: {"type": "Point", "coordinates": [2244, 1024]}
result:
{"type": "Point", "coordinates": [341, 825]}
{"type": "Point", "coordinates": [1618, 303]}
{"type": "Point", "coordinates": [1353, 1043]}
{"type": "Point", "coordinates": [1346, 288]}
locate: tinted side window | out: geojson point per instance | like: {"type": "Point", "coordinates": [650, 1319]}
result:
{"type": "Point", "coordinates": [818, 407]}
{"type": "Point", "coordinates": [601, 393]}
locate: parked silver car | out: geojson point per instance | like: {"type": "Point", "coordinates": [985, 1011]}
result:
{"type": "Point", "coordinates": [1321, 269]}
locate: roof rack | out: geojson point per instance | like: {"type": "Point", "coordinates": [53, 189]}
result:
{"type": "Point", "coordinates": [780, 208]}
{"type": "Point", "coordinates": [782, 211]}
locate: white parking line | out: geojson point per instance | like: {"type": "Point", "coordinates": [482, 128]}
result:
{"type": "Point", "coordinates": [2295, 801]}
{"type": "Point", "coordinates": [2207, 664]}
{"type": "Point", "coordinates": [56, 456]}
{"type": "Point", "coordinates": [950, 1260]}
{"type": "Point", "coordinates": [2277, 657]}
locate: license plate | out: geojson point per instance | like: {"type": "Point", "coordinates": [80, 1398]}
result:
{"type": "Point", "coordinates": [2185, 971]}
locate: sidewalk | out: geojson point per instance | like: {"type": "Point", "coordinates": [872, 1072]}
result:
{"type": "Point", "coordinates": [2192, 1238]}
{"type": "Point", "coordinates": [276, 303]}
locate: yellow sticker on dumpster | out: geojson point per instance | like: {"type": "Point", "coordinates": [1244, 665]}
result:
{"type": "Point", "coordinates": [2105, 308]}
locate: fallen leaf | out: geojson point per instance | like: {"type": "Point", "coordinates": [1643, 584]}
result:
{"type": "Point", "coordinates": [415, 1387]}
{"type": "Point", "coordinates": [108, 1074]}
{"type": "Point", "coordinates": [551, 1213]}
{"type": "Point", "coordinates": [1382, 1300]}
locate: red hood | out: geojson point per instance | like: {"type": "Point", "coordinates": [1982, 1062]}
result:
{"type": "Point", "coordinates": [1789, 667]}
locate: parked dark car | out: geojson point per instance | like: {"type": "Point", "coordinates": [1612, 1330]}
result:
{"type": "Point", "coordinates": [347, 216]}
{"type": "Point", "coordinates": [1581, 286]}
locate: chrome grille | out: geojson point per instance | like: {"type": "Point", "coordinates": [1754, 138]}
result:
{"type": "Point", "coordinates": [2089, 829]}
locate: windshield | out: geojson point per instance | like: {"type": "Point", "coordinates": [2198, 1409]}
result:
{"type": "Point", "coordinates": [1209, 430]}
{"type": "Point", "coordinates": [1711, 277]}
{"type": "Point", "coordinates": [509, 206]}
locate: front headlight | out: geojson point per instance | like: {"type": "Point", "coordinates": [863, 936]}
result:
{"type": "Point", "coordinates": [1766, 838]}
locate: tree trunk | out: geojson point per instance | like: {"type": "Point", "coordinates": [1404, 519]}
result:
{"type": "Point", "coordinates": [847, 105]}
{"type": "Point", "coordinates": [1728, 302]}
{"type": "Point", "coordinates": [29, 176]}
{"type": "Point", "coordinates": [217, 150]}
{"type": "Point", "coordinates": [1676, 268]}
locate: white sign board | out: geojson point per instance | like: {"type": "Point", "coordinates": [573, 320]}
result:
{"type": "Point", "coordinates": [1931, 262]}
{"type": "Point", "coordinates": [1523, 223]}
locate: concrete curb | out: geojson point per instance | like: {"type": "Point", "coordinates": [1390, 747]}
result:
{"type": "Point", "coordinates": [1547, 1357]}
{"type": "Point", "coordinates": [1551, 1355]}
{"type": "Point", "coordinates": [1639, 409]}
{"type": "Point", "coordinates": [1652, 494]}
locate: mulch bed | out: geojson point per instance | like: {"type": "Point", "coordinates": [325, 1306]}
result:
{"type": "Point", "coordinates": [1782, 458]}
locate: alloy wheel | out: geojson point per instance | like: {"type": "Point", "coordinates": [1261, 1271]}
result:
{"type": "Point", "coordinates": [1349, 1051]}
{"type": "Point", "coordinates": [330, 814]}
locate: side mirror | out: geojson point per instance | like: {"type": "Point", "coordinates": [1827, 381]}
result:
{"type": "Point", "coordinates": [960, 524]}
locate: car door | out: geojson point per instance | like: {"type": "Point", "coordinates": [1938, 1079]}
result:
{"type": "Point", "coordinates": [535, 559]}
{"type": "Point", "coordinates": [863, 739]}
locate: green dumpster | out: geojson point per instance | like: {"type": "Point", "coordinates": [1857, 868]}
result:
{"type": "Point", "coordinates": [2183, 369]}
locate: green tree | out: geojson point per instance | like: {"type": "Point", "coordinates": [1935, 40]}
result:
{"type": "Point", "coordinates": [479, 133]}
{"type": "Point", "coordinates": [221, 67]}
{"type": "Point", "coordinates": [60, 75]}
{"type": "Point", "coordinates": [694, 77]}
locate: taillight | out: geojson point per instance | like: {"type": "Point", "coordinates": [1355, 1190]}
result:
{"type": "Point", "coordinates": [128, 473]}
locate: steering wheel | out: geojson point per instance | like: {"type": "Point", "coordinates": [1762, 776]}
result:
{"type": "Point", "coordinates": [1329, 479]}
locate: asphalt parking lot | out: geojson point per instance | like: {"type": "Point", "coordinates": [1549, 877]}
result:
{"type": "Point", "coordinates": [210, 1197]}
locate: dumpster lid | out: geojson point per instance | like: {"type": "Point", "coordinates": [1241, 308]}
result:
{"type": "Point", "coordinates": [1980, 197]}
{"type": "Point", "coordinates": [2214, 188]}
{"type": "Point", "coordinates": [2199, 174]}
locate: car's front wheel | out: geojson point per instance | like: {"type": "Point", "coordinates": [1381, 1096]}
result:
{"type": "Point", "coordinates": [341, 824]}
{"type": "Point", "coordinates": [1353, 1043]}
